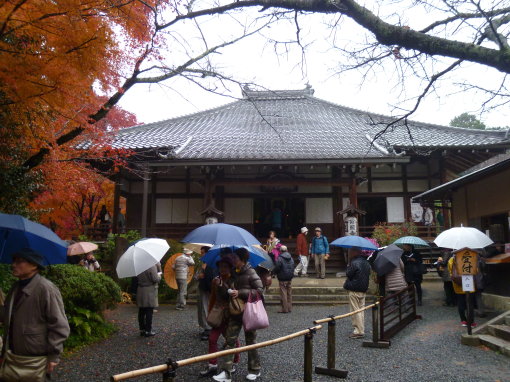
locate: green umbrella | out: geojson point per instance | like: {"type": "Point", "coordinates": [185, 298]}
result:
{"type": "Point", "coordinates": [411, 240]}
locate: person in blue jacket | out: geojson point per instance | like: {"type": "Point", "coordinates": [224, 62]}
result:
{"type": "Point", "coordinates": [319, 250]}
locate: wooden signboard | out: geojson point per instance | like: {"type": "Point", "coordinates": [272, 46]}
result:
{"type": "Point", "coordinates": [466, 261]}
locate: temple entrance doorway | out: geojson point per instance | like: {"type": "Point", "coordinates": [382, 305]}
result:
{"type": "Point", "coordinates": [285, 215]}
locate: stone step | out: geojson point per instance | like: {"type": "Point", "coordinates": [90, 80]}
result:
{"type": "Point", "coordinates": [500, 331]}
{"type": "Point", "coordinates": [309, 297]}
{"type": "Point", "coordinates": [310, 290]}
{"type": "Point", "coordinates": [507, 320]}
{"type": "Point", "coordinates": [495, 343]}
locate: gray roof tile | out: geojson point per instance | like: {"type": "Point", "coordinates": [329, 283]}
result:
{"type": "Point", "coordinates": [291, 125]}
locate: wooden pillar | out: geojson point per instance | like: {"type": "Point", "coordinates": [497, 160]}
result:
{"type": "Point", "coordinates": [116, 205]}
{"type": "Point", "coordinates": [405, 189]}
{"type": "Point", "coordinates": [336, 194]}
{"type": "Point", "coordinates": [151, 218]}
{"type": "Point", "coordinates": [145, 201]}
{"type": "Point", "coordinates": [353, 190]}
{"type": "Point", "coordinates": [219, 192]}
{"type": "Point", "coordinates": [369, 179]}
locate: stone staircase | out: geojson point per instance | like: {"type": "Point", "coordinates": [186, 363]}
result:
{"type": "Point", "coordinates": [495, 334]}
{"type": "Point", "coordinates": [311, 291]}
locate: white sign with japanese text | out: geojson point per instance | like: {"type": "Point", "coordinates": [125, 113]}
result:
{"type": "Point", "coordinates": [468, 283]}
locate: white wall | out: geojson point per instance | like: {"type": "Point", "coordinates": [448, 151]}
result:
{"type": "Point", "coordinates": [319, 210]}
{"type": "Point", "coordinates": [395, 209]}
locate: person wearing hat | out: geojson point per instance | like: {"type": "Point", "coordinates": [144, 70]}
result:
{"type": "Point", "coordinates": [35, 321]}
{"type": "Point", "coordinates": [302, 252]}
{"type": "Point", "coordinates": [319, 249]}
{"type": "Point", "coordinates": [181, 276]}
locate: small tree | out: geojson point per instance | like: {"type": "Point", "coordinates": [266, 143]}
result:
{"type": "Point", "coordinates": [387, 233]}
{"type": "Point", "coordinates": [469, 121]}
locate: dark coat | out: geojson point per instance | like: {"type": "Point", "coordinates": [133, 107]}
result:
{"type": "Point", "coordinates": [248, 281]}
{"type": "Point", "coordinates": [358, 275]}
{"type": "Point", "coordinates": [284, 267]}
{"type": "Point", "coordinates": [412, 269]}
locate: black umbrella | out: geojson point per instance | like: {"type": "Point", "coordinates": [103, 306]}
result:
{"type": "Point", "coordinates": [387, 259]}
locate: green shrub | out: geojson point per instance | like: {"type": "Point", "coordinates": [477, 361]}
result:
{"type": "Point", "coordinates": [6, 278]}
{"type": "Point", "coordinates": [81, 288]}
{"type": "Point", "coordinates": [86, 294]}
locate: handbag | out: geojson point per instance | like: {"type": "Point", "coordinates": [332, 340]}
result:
{"type": "Point", "coordinates": [18, 367]}
{"type": "Point", "coordinates": [236, 306]}
{"type": "Point", "coordinates": [255, 315]}
{"type": "Point", "coordinates": [216, 316]}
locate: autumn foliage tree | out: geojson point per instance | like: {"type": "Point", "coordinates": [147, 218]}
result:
{"type": "Point", "coordinates": [58, 62]}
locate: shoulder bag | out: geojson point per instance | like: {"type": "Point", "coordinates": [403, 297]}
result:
{"type": "Point", "coordinates": [255, 315]}
{"type": "Point", "coordinates": [216, 316]}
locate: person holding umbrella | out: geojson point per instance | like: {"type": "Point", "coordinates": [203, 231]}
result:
{"type": "Point", "coordinates": [247, 283]}
{"type": "Point", "coordinates": [147, 299]}
{"type": "Point", "coordinates": [358, 275]}
{"type": "Point", "coordinates": [181, 276]}
{"type": "Point", "coordinates": [412, 269]}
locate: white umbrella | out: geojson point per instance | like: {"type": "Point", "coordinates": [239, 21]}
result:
{"type": "Point", "coordinates": [462, 237]}
{"type": "Point", "coordinates": [141, 256]}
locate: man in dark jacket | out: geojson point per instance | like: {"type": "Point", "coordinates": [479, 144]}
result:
{"type": "Point", "coordinates": [284, 269]}
{"type": "Point", "coordinates": [358, 275]}
{"type": "Point", "coordinates": [34, 317]}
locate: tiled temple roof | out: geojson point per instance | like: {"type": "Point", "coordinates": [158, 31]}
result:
{"type": "Point", "coordinates": [291, 125]}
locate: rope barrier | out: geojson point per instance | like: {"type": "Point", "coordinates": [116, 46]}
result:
{"type": "Point", "coordinates": [323, 320]}
{"type": "Point", "coordinates": [188, 361]}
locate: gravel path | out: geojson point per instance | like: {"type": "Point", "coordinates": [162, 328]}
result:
{"type": "Point", "coordinates": [427, 350]}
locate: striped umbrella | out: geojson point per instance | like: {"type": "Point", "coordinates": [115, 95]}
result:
{"type": "Point", "coordinates": [411, 240]}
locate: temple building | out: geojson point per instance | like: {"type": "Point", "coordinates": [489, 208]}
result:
{"type": "Point", "coordinates": [283, 159]}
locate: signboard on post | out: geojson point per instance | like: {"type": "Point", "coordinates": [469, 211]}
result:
{"type": "Point", "coordinates": [351, 225]}
{"type": "Point", "coordinates": [466, 261]}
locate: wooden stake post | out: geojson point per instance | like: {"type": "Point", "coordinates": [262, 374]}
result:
{"type": "Point", "coordinates": [466, 263]}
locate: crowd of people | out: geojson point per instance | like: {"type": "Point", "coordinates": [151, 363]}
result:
{"type": "Point", "coordinates": [36, 325]}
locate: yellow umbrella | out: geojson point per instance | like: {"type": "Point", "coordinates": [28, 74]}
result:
{"type": "Point", "coordinates": [169, 273]}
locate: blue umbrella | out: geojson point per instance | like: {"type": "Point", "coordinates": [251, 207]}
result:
{"type": "Point", "coordinates": [221, 234]}
{"type": "Point", "coordinates": [257, 256]}
{"type": "Point", "coordinates": [354, 241]}
{"type": "Point", "coordinates": [412, 240]}
{"type": "Point", "coordinates": [17, 232]}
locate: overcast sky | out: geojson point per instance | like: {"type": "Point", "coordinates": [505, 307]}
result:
{"type": "Point", "coordinates": [254, 60]}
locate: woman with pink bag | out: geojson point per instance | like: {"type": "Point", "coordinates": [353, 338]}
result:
{"type": "Point", "coordinates": [247, 287]}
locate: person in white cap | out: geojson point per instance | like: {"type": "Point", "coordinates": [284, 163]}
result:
{"type": "Point", "coordinates": [302, 251]}
{"type": "Point", "coordinates": [181, 276]}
